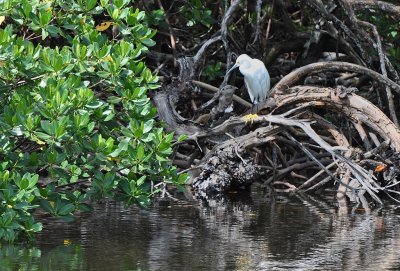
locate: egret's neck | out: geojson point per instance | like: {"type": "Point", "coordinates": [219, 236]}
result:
{"type": "Point", "coordinates": [245, 64]}
{"type": "Point", "coordinates": [244, 67]}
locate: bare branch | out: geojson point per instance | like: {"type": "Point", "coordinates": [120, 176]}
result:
{"type": "Point", "coordinates": [295, 76]}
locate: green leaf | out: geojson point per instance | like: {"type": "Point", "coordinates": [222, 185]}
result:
{"type": "Point", "coordinates": [33, 181]}
{"type": "Point", "coordinates": [47, 127]}
{"type": "Point", "coordinates": [182, 178]}
{"type": "Point", "coordinates": [169, 137]}
{"type": "Point", "coordinates": [43, 136]}
{"type": "Point", "coordinates": [95, 104]}
{"type": "Point", "coordinates": [149, 42]}
{"type": "Point", "coordinates": [140, 151]}
{"type": "Point", "coordinates": [37, 227]}
{"type": "Point", "coordinates": [160, 158]}
{"type": "Point", "coordinates": [144, 201]}
{"type": "Point", "coordinates": [46, 205]}
{"type": "Point", "coordinates": [115, 14]}
{"type": "Point", "coordinates": [114, 99]}
{"type": "Point", "coordinates": [124, 185]}
{"type": "Point", "coordinates": [84, 207]}
{"type": "Point", "coordinates": [122, 146]}
{"type": "Point", "coordinates": [53, 30]}
{"type": "Point", "coordinates": [66, 209]}
{"type": "Point", "coordinates": [182, 138]}
{"type": "Point", "coordinates": [45, 17]}
{"type": "Point", "coordinates": [90, 4]}
{"type": "Point", "coordinates": [109, 178]}
{"type": "Point", "coordinates": [148, 126]}
{"type": "Point", "coordinates": [141, 181]}
{"type": "Point", "coordinates": [103, 74]}
{"type": "Point", "coordinates": [109, 117]}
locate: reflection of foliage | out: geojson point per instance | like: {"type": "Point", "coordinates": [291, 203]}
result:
{"type": "Point", "coordinates": [19, 258]}
{"type": "Point", "coordinates": [64, 257]}
{"type": "Point", "coordinates": [74, 109]}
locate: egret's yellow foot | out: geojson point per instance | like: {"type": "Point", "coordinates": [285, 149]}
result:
{"type": "Point", "coordinates": [250, 117]}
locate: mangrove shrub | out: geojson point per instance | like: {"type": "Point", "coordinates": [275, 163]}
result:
{"type": "Point", "coordinates": [76, 123]}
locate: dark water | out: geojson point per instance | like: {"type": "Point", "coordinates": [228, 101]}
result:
{"type": "Point", "coordinates": [260, 232]}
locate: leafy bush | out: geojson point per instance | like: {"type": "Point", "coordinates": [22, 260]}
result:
{"type": "Point", "coordinates": [74, 109]}
{"type": "Point", "coordinates": [195, 12]}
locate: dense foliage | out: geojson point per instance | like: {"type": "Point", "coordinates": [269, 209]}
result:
{"type": "Point", "coordinates": [75, 120]}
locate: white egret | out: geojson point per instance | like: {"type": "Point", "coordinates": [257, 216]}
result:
{"type": "Point", "coordinates": [256, 77]}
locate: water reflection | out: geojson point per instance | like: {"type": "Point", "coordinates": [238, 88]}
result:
{"type": "Point", "coordinates": [262, 231]}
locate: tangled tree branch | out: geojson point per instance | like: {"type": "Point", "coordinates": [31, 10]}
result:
{"type": "Point", "coordinates": [305, 137]}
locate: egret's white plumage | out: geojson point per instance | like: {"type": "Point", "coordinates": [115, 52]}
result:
{"type": "Point", "coordinates": [256, 77]}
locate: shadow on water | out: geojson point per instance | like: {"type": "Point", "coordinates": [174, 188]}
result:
{"type": "Point", "coordinates": [261, 231]}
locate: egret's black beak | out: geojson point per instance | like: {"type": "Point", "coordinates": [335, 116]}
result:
{"type": "Point", "coordinates": [233, 67]}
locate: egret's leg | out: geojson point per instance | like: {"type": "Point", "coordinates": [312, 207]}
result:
{"type": "Point", "coordinates": [250, 117]}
